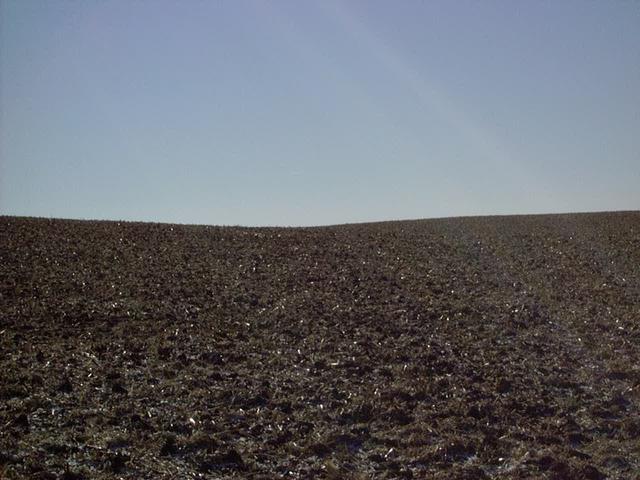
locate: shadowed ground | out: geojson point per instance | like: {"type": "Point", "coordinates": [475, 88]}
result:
{"type": "Point", "coordinates": [487, 347]}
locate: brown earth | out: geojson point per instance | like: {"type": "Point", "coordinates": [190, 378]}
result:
{"type": "Point", "coordinates": [469, 348]}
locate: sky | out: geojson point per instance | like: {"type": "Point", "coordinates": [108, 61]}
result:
{"type": "Point", "coordinates": [317, 112]}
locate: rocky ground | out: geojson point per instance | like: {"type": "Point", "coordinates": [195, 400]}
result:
{"type": "Point", "coordinates": [470, 348]}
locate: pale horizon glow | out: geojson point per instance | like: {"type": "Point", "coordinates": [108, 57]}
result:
{"type": "Point", "coordinates": [300, 114]}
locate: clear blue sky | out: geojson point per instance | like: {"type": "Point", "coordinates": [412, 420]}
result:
{"type": "Point", "coordinates": [308, 113]}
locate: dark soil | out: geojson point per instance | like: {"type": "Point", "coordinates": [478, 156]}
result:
{"type": "Point", "coordinates": [471, 348]}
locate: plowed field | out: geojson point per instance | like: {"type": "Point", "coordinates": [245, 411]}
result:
{"type": "Point", "coordinates": [467, 348]}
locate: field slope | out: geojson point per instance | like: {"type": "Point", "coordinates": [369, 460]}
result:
{"type": "Point", "coordinates": [470, 348]}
